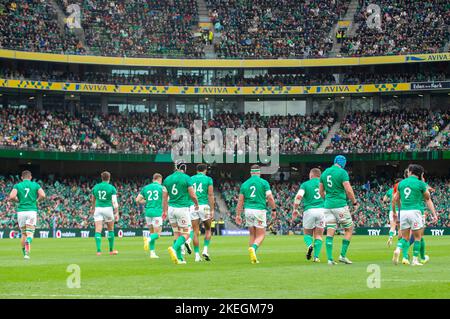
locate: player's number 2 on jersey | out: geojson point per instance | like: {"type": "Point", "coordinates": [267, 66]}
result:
{"type": "Point", "coordinates": [252, 194]}
{"type": "Point", "coordinates": [27, 190]}
{"type": "Point", "coordinates": [174, 190]}
{"type": "Point", "coordinates": [154, 197]}
{"type": "Point", "coordinates": [198, 189]}
{"type": "Point", "coordinates": [329, 181]}
{"type": "Point", "coordinates": [407, 192]}
{"type": "Point", "coordinates": [102, 195]}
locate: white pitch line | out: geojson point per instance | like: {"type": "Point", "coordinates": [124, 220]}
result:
{"type": "Point", "coordinates": [416, 280]}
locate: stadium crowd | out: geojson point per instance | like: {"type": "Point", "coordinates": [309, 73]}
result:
{"type": "Point", "coordinates": [406, 27]}
{"type": "Point", "coordinates": [32, 26]}
{"type": "Point", "coordinates": [136, 28]}
{"type": "Point", "coordinates": [389, 131]}
{"type": "Point", "coordinates": [274, 29]}
{"type": "Point", "coordinates": [145, 132]}
{"type": "Point", "coordinates": [47, 130]}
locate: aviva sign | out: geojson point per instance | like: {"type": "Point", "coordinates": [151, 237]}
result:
{"type": "Point", "coordinates": [202, 90]}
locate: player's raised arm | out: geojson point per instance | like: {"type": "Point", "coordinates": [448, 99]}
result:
{"type": "Point", "coordinates": [13, 195]}
{"type": "Point", "coordinates": [211, 200]}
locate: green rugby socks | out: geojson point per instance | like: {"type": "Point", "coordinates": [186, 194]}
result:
{"type": "Point", "coordinates": [416, 248]}
{"type": "Point", "coordinates": [153, 238]}
{"type": "Point", "coordinates": [422, 248]}
{"type": "Point", "coordinates": [329, 247]}
{"type": "Point", "coordinates": [317, 247]}
{"type": "Point", "coordinates": [98, 241]}
{"type": "Point", "coordinates": [345, 244]}
{"type": "Point", "coordinates": [308, 240]}
{"type": "Point", "coordinates": [111, 240]}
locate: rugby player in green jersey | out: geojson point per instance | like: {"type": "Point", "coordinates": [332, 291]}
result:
{"type": "Point", "coordinates": [176, 205]}
{"type": "Point", "coordinates": [152, 196]}
{"type": "Point", "coordinates": [411, 194]}
{"type": "Point", "coordinates": [392, 220]}
{"type": "Point", "coordinates": [254, 195]}
{"type": "Point", "coordinates": [336, 189]}
{"type": "Point", "coordinates": [203, 186]}
{"type": "Point", "coordinates": [313, 213]}
{"type": "Point", "coordinates": [27, 193]}
{"type": "Point", "coordinates": [105, 208]}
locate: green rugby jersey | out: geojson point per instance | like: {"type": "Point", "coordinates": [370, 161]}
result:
{"type": "Point", "coordinates": [27, 193]}
{"type": "Point", "coordinates": [254, 190]}
{"type": "Point", "coordinates": [201, 183]}
{"type": "Point", "coordinates": [103, 194]}
{"type": "Point", "coordinates": [332, 179]}
{"type": "Point", "coordinates": [177, 187]}
{"type": "Point", "coordinates": [311, 197]}
{"type": "Point", "coordinates": [411, 193]}
{"type": "Point", "coordinates": [153, 199]}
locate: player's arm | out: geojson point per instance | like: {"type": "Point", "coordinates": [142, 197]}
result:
{"type": "Point", "coordinates": [298, 198]}
{"type": "Point", "coordinates": [239, 208]}
{"type": "Point", "coordinates": [13, 195]}
{"type": "Point", "coordinates": [430, 205]}
{"type": "Point", "coordinates": [165, 202]}
{"type": "Point", "coordinates": [140, 199]}
{"type": "Point", "coordinates": [350, 194]}
{"type": "Point", "coordinates": [41, 194]}
{"type": "Point", "coordinates": [385, 199]}
{"type": "Point", "coordinates": [211, 200]}
{"type": "Point", "coordinates": [92, 204]}
{"type": "Point", "coordinates": [395, 203]}
{"type": "Point", "coordinates": [193, 196]}
{"type": "Point", "coordinates": [321, 190]}
{"type": "Point", "coordinates": [271, 202]}
{"type": "Point", "coordinates": [115, 206]}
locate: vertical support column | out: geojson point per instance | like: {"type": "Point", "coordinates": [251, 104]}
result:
{"type": "Point", "coordinates": [426, 101]}
{"type": "Point", "coordinates": [376, 103]}
{"type": "Point", "coordinates": [172, 105]}
{"type": "Point", "coordinates": [309, 105]}
{"type": "Point", "coordinates": [39, 101]}
{"type": "Point", "coordinates": [240, 105]}
{"type": "Point", "coordinates": [104, 104]}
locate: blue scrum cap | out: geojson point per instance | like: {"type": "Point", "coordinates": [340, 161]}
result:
{"type": "Point", "coordinates": [340, 160]}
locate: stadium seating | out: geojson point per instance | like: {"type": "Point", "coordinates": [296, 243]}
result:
{"type": "Point", "coordinates": [52, 131]}
{"type": "Point", "coordinates": [275, 29]}
{"type": "Point", "coordinates": [407, 27]}
{"type": "Point", "coordinates": [389, 131]}
{"type": "Point", "coordinates": [136, 28]}
{"type": "Point", "coordinates": [32, 26]}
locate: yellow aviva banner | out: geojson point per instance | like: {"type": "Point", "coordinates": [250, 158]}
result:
{"type": "Point", "coordinates": [223, 63]}
{"type": "Point", "coordinates": [202, 90]}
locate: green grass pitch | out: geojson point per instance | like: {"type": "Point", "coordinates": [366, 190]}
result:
{"type": "Point", "coordinates": [282, 273]}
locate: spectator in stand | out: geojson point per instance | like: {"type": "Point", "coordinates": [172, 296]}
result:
{"type": "Point", "coordinates": [389, 131]}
